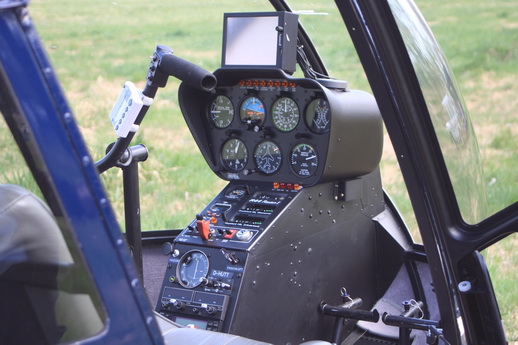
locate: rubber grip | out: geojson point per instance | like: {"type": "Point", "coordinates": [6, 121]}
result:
{"type": "Point", "coordinates": [187, 72]}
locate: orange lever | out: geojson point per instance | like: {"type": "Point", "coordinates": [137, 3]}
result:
{"type": "Point", "coordinates": [203, 228]}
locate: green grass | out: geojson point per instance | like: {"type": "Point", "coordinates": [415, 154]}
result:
{"type": "Point", "coordinates": [97, 45]}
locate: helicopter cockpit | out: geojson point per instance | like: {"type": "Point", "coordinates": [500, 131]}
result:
{"type": "Point", "coordinates": [301, 156]}
{"type": "Point", "coordinates": [277, 225]}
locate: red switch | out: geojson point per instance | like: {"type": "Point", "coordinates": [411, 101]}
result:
{"type": "Point", "coordinates": [229, 233]}
{"type": "Point", "coordinates": [203, 227]}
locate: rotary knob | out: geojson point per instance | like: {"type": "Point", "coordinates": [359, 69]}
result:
{"type": "Point", "coordinates": [244, 235]}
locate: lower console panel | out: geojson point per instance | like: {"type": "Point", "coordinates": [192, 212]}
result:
{"type": "Point", "coordinates": [257, 261]}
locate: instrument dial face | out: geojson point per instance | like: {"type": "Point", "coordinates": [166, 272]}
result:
{"type": "Point", "coordinates": [192, 267]}
{"type": "Point", "coordinates": [234, 155]}
{"type": "Point", "coordinates": [252, 111]}
{"type": "Point", "coordinates": [318, 116]}
{"type": "Point", "coordinates": [221, 111]}
{"type": "Point", "coordinates": [304, 160]}
{"type": "Point", "coordinates": [268, 157]}
{"type": "Point", "coordinates": [285, 114]}
{"type": "Point", "coordinates": [236, 193]}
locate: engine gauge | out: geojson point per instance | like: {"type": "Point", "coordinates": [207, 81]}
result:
{"type": "Point", "coordinates": [268, 157]}
{"type": "Point", "coordinates": [234, 155]}
{"type": "Point", "coordinates": [221, 111]}
{"type": "Point", "coordinates": [318, 116]}
{"type": "Point", "coordinates": [252, 111]}
{"type": "Point", "coordinates": [304, 160]}
{"type": "Point", "coordinates": [285, 114]}
{"type": "Point", "coordinates": [192, 268]}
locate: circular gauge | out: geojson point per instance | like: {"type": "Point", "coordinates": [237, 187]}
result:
{"type": "Point", "coordinates": [268, 157]}
{"type": "Point", "coordinates": [304, 160]}
{"type": "Point", "coordinates": [234, 155]}
{"type": "Point", "coordinates": [252, 111]}
{"type": "Point", "coordinates": [318, 116]}
{"type": "Point", "coordinates": [285, 114]}
{"type": "Point", "coordinates": [236, 193]}
{"type": "Point", "coordinates": [192, 268]}
{"type": "Point", "coordinates": [221, 111]}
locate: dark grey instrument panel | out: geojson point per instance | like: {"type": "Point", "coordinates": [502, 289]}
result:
{"type": "Point", "coordinates": [267, 126]}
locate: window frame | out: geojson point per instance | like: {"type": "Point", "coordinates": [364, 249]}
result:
{"type": "Point", "coordinates": [43, 126]}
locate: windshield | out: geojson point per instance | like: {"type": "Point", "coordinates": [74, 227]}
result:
{"type": "Point", "coordinates": [113, 45]}
{"type": "Point", "coordinates": [116, 47]}
{"type": "Point", "coordinates": [448, 112]}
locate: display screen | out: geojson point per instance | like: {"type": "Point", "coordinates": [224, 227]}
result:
{"type": "Point", "coordinates": [184, 321]}
{"type": "Point", "coordinates": [251, 41]}
{"type": "Point", "coordinates": [209, 298]}
{"type": "Point", "coordinates": [179, 294]}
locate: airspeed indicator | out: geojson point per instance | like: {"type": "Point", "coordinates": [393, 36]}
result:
{"type": "Point", "coordinates": [304, 160]}
{"type": "Point", "coordinates": [234, 155]}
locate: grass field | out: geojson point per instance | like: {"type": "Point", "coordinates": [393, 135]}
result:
{"type": "Point", "coordinates": [97, 45]}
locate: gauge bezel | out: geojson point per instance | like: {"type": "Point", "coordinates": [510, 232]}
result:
{"type": "Point", "coordinates": [259, 167]}
{"type": "Point", "coordinates": [191, 283]}
{"type": "Point", "coordinates": [313, 170]}
{"type": "Point", "coordinates": [211, 115]}
{"type": "Point", "coordinates": [274, 116]}
{"type": "Point", "coordinates": [261, 119]}
{"type": "Point", "coordinates": [309, 122]}
{"type": "Point", "coordinates": [224, 160]}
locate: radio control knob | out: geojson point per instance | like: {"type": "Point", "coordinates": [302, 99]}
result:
{"type": "Point", "coordinates": [178, 304]}
{"type": "Point", "coordinates": [211, 309]}
{"type": "Point", "coordinates": [207, 282]}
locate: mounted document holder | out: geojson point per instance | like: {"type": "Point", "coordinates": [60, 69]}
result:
{"type": "Point", "coordinates": [265, 40]}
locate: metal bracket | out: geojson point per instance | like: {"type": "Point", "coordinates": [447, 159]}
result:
{"type": "Point", "coordinates": [347, 190]}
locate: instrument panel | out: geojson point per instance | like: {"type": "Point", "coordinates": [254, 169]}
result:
{"type": "Point", "coordinates": [268, 126]}
{"type": "Point", "coordinates": [283, 143]}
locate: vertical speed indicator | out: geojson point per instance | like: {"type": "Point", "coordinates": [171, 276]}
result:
{"type": "Point", "coordinates": [304, 160]}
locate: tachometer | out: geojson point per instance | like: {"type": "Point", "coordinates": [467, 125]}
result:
{"type": "Point", "coordinates": [268, 157]}
{"type": "Point", "coordinates": [221, 111]}
{"type": "Point", "coordinates": [285, 114]}
{"type": "Point", "coordinates": [192, 268]}
{"type": "Point", "coordinates": [252, 111]}
{"type": "Point", "coordinates": [234, 155]}
{"type": "Point", "coordinates": [304, 160]}
{"type": "Point", "coordinates": [318, 116]}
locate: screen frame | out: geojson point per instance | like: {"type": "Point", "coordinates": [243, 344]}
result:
{"type": "Point", "coordinates": [285, 45]}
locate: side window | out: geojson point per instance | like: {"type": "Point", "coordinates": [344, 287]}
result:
{"type": "Point", "coordinates": [501, 261]}
{"type": "Point", "coordinates": [394, 186]}
{"type": "Point", "coordinates": [324, 24]}
{"type": "Point", "coordinates": [46, 293]}
{"type": "Point", "coordinates": [480, 60]}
